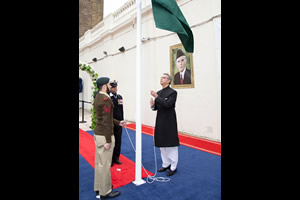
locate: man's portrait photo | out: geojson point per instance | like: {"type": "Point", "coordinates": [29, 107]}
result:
{"type": "Point", "coordinates": [181, 67]}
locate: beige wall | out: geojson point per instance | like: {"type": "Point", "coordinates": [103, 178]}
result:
{"type": "Point", "coordinates": [198, 108]}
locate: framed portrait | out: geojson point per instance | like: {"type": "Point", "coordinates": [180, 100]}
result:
{"type": "Point", "coordinates": [181, 67]}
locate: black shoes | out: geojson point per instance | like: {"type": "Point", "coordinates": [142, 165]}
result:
{"type": "Point", "coordinates": [163, 169]}
{"type": "Point", "coordinates": [97, 192]}
{"type": "Point", "coordinates": [112, 194]}
{"type": "Point", "coordinates": [170, 173]}
{"type": "Point", "coordinates": [118, 162]}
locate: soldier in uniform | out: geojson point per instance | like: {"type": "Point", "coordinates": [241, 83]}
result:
{"type": "Point", "coordinates": [117, 99]}
{"type": "Point", "coordinates": [104, 140]}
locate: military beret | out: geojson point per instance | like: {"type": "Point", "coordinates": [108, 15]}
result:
{"type": "Point", "coordinates": [179, 53]}
{"type": "Point", "coordinates": [101, 81]}
{"type": "Point", "coordinates": [113, 83]}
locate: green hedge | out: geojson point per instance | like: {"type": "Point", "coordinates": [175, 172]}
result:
{"type": "Point", "coordinates": [94, 76]}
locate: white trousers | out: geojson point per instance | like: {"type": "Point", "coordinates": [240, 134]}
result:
{"type": "Point", "coordinates": [169, 156]}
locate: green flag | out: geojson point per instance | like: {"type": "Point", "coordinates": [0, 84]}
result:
{"type": "Point", "coordinates": [168, 16]}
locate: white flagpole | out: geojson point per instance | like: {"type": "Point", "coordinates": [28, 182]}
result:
{"type": "Point", "coordinates": [138, 138]}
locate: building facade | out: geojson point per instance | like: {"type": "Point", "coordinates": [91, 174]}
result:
{"type": "Point", "coordinates": [198, 108]}
{"type": "Point", "coordinates": [90, 14]}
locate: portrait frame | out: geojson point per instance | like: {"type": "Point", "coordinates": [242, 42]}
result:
{"type": "Point", "coordinates": [174, 69]}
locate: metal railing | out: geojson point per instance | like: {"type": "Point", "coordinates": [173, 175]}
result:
{"type": "Point", "coordinates": [82, 120]}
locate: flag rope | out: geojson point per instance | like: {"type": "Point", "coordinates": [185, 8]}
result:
{"type": "Point", "coordinates": [150, 179]}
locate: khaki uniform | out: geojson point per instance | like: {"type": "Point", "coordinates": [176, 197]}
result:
{"type": "Point", "coordinates": [103, 133]}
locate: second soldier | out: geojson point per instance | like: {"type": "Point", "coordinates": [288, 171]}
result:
{"type": "Point", "coordinates": [117, 100]}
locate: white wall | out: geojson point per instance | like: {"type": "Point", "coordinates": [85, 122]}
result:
{"type": "Point", "coordinates": [198, 109]}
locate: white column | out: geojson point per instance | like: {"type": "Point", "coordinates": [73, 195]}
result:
{"type": "Point", "coordinates": [138, 144]}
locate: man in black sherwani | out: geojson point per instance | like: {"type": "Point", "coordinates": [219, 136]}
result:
{"type": "Point", "coordinates": [166, 133]}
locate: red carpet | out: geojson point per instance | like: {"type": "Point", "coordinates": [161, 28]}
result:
{"type": "Point", "coordinates": [209, 146]}
{"type": "Point", "coordinates": [120, 174]}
